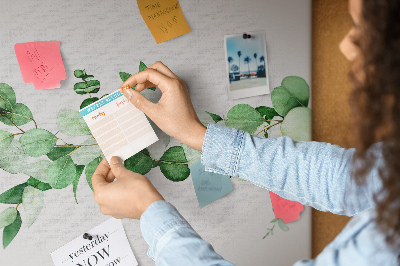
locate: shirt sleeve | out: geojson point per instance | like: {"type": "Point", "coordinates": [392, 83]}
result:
{"type": "Point", "coordinates": [312, 173]}
{"type": "Point", "coordinates": [172, 241]}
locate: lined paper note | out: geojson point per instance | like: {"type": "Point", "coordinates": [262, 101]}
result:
{"type": "Point", "coordinates": [118, 126]}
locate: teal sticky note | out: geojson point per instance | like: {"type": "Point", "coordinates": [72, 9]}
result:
{"type": "Point", "coordinates": [209, 186]}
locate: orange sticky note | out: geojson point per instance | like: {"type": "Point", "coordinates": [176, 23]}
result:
{"type": "Point", "coordinates": [164, 18]}
{"type": "Point", "coordinates": [41, 63]}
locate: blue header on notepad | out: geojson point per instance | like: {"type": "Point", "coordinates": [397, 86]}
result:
{"type": "Point", "coordinates": [96, 105]}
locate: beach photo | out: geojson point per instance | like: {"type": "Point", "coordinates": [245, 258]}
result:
{"type": "Point", "coordinates": [246, 64]}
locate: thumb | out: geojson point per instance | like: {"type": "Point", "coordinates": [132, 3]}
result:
{"type": "Point", "coordinates": [138, 100]}
{"type": "Point", "coordinates": [117, 167]}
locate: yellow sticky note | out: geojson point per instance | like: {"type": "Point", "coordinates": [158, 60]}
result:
{"type": "Point", "coordinates": [164, 18]}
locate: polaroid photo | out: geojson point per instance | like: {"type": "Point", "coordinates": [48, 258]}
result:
{"type": "Point", "coordinates": [246, 64]}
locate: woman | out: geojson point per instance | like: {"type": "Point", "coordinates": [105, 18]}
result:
{"type": "Point", "coordinates": [362, 182]}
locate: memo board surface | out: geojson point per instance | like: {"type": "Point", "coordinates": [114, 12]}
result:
{"type": "Point", "coordinates": [106, 37]}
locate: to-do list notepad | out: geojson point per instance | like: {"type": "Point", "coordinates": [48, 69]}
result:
{"type": "Point", "coordinates": [118, 126]}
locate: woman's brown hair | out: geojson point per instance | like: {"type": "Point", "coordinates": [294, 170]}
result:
{"type": "Point", "coordinates": [376, 106]}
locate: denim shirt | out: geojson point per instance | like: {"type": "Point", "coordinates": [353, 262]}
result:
{"type": "Point", "coordinates": [312, 173]}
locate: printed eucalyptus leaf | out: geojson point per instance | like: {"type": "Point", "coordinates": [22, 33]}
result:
{"type": "Point", "coordinates": [61, 172]}
{"type": "Point", "coordinates": [140, 163]}
{"type": "Point", "coordinates": [37, 142]}
{"type": "Point", "coordinates": [93, 86]}
{"type": "Point", "coordinates": [90, 168]}
{"type": "Point", "coordinates": [13, 195]}
{"type": "Point", "coordinates": [5, 139]}
{"type": "Point", "coordinates": [173, 164]}
{"type": "Point", "coordinates": [58, 152]}
{"type": "Point", "coordinates": [79, 171]}
{"type": "Point", "coordinates": [85, 154]}
{"type": "Point", "coordinates": [192, 155]}
{"type": "Point", "coordinates": [215, 117]}
{"type": "Point", "coordinates": [11, 230]}
{"type": "Point", "coordinates": [8, 216]}
{"type": "Point", "coordinates": [79, 73]}
{"type": "Point", "coordinates": [7, 97]}
{"type": "Point", "coordinates": [38, 184]}
{"type": "Point", "coordinates": [70, 122]}
{"type": "Point", "coordinates": [293, 92]}
{"type": "Point", "coordinates": [33, 202]}
{"type": "Point", "coordinates": [267, 112]}
{"type": "Point", "coordinates": [282, 225]}
{"type": "Point", "coordinates": [80, 88]}
{"type": "Point", "coordinates": [244, 117]}
{"type": "Point", "coordinates": [297, 124]}
{"type": "Point", "coordinates": [124, 76]}
{"type": "Point", "coordinates": [105, 95]}
{"type": "Point", "coordinates": [275, 130]}
{"type": "Point", "coordinates": [20, 115]}
{"type": "Point", "coordinates": [13, 159]}
{"type": "Point", "coordinates": [88, 101]}
{"type": "Point", "coordinates": [86, 77]}
{"type": "Point", "coordinates": [38, 170]}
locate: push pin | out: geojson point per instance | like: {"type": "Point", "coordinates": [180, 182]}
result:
{"type": "Point", "coordinates": [246, 36]}
{"type": "Point", "coordinates": [87, 236]}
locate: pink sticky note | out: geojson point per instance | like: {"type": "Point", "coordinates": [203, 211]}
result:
{"type": "Point", "coordinates": [284, 209]}
{"type": "Point", "coordinates": [41, 63]}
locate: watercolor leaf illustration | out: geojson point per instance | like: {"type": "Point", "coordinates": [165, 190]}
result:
{"type": "Point", "coordinates": [173, 164]}
{"type": "Point", "coordinates": [33, 202]}
{"type": "Point", "coordinates": [79, 171]}
{"type": "Point", "coordinates": [8, 216]}
{"type": "Point", "coordinates": [90, 168]}
{"type": "Point", "coordinates": [61, 172]}
{"type": "Point", "coordinates": [5, 139]}
{"type": "Point", "coordinates": [19, 115]}
{"type": "Point", "coordinates": [10, 231]}
{"type": "Point", "coordinates": [71, 123]}
{"type": "Point", "coordinates": [140, 163]}
{"type": "Point", "coordinates": [244, 117]}
{"type": "Point", "coordinates": [37, 142]}
{"type": "Point", "coordinates": [297, 124]}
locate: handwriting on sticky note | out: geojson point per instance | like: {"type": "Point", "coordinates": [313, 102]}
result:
{"type": "Point", "coordinates": [288, 211]}
{"type": "Point", "coordinates": [209, 186]}
{"type": "Point", "coordinates": [41, 63]}
{"type": "Point", "coordinates": [164, 18]}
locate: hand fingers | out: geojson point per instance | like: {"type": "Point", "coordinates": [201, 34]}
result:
{"type": "Point", "coordinates": [110, 177]}
{"type": "Point", "coordinates": [140, 102]}
{"type": "Point", "coordinates": [142, 86]}
{"type": "Point", "coordinates": [117, 167]}
{"type": "Point", "coordinates": [160, 80]}
{"type": "Point", "coordinates": [99, 176]}
{"type": "Point", "coordinates": [160, 67]}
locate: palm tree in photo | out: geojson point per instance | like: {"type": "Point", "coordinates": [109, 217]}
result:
{"type": "Point", "coordinates": [247, 60]}
{"type": "Point", "coordinates": [255, 58]}
{"type": "Point", "coordinates": [262, 59]}
{"type": "Point", "coordinates": [230, 60]}
{"type": "Point", "coordinates": [239, 55]}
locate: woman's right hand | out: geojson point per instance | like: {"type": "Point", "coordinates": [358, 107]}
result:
{"type": "Point", "coordinates": [174, 113]}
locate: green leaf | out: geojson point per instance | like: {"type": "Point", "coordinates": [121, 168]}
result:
{"type": "Point", "coordinates": [90, 168]}
{"type": "Point", "coordinates": [85, 154]}
{"type": "Point", "coordinates": [282, 225]}
{"type": "Point", "coordinates": [274, 220]}
{"type": "Point", "coordinates": [8, 216]}
{"type": "Point", "coordinates": [80, 88]}
{"type": "Point", "coordinates": [71, 123]}
{"type": "Point", "coordinates": [79, 170]}
{"type": "Point", "coordinates": [267, 112]}
{"type": "Point", "coordinates": [294, 92]}
{"type": "Point", "coordinates": [5, 139]}
{"type": "Point", "coordinates": [192, 156]}
{"type": "Point", "coordinates": [85, 77]}
{"type": "Point", "coordinates": [140, 163]}
{"type": "Point", "coordinates": [13, 159]}
{"type": "Point", "coordinates": [93, 86]}
{"type": "Point", "coordinates": [61, 172]}
{"type": "Point", "coordinates": [124, 76]}
{"type": "Point", "coordinates": [13, 195]}
{"type": "Point", "coordinates": [173, 164]}
{"type": "Point", "coordinates": [33, 202]}
{"type": "Point", "coordinates": [266, 135]}
{"type": "Point", "coordinates": [37, 142]}
{"type": "Point", "coordinates": [88, 101]}
{"type": "Point", "coordinates": [244, 117]}
{"type": "Point", "coordinates": [297, 124]}
{"type": "Point", "coordinates": [7, 97]}
{"type": "Point", "coordinates": [58, 152]}
{"type": "Point", "coordinates": [79, 73]}
{"type": "Point", "coordinates": [38, 170]}
{"type": "Point", "coordinates": [38, 184]}
{"type": "Point", "coordinates": [20, 115]}
{"type": "Point", "coordinates": [11, 230]}
{"type": "Point", "coordinates": [215, 117]}
{"type": "Point", "coordinates": [103, 96]}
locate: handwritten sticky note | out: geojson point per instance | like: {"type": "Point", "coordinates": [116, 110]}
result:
{"type": "Point", "coordinates": [209, 186]}
{"type": "Point", "coordinates": [164, 18]}
{"type": "Point", "coordinates": [288, 211]}
{"type": "Point", "coordinates": [41, 63]}
{"type": "Point", "coordinates": [109, 246]}
{"type": "Point", "coordinates": [118, 126]}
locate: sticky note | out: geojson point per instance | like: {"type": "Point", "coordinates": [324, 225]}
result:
{"type": "Point", "coordinates": [41, 64]}
{"type": "Point", "coordinates": [109, 246]}
{"type": "Point", "coordinates": [164, 18]}
{"type": "Point", "coordinates": [288, 211]}
{"type": "Point", "coordinates": [209, 186]}
{"type": "Point", "coordinates": [118, 126]}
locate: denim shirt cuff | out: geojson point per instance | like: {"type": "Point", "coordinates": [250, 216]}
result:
{"type": "Point", "coordinates": [158, 219]}
{"type": "Point", "coordinates": [222, 147]}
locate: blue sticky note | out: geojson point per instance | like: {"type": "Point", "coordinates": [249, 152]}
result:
{"type": "Point", "coordinates": [209, 186]}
